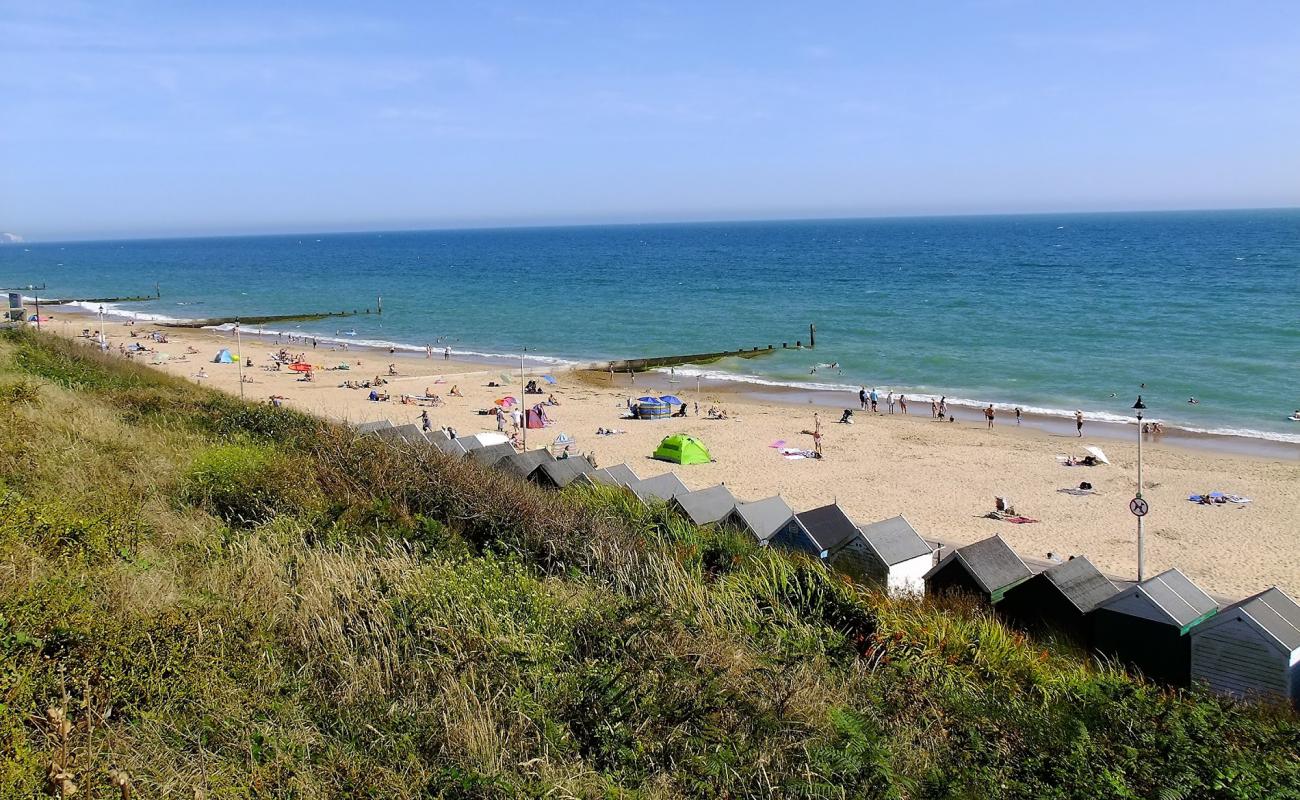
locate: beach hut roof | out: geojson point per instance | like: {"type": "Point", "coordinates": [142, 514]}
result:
{"type": "Point", "coordinates": [491, 454]}
{"type": "Point", "coordinates": [521, 465]}
{"type": "Point", "coordinates": [705, 506]}
{"type": "Point", "coordinates": [438, 434]}
{"type": "Point", "coordinates": [1081, 583]}
{"type": "Point", "coordinates": [451, 447]}
{"type": "Point", "coordinates": [469, 443]}
{"type": "Point", "coordinates": [1273, 612]}
{"type": "Point", "coordinates": [401, 434]}
{"type": "Point", "coordinates": [895, 540]}
{"type": "Point", "coordinates": [764, 517]}
{"type": "Point", "coordinates": [829, 527]}
{"type": "Point", "coordinates": [1182, 602]}
{"type": "Point", "coordinates": [663, 487]}
{"type": "Point", "coordinates": [411, 434]}
{"type": "Point", "coordinates": [371, 427]}
{"type": "Point", "coordinates": [564, 471]}
{"type": "Point", "coordinates": [991, 562]}
{"type": "Point", "coordinates": [617, 475]}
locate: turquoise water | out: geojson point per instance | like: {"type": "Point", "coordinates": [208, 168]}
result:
{"type": "Point", "coordinates": [1050, 312]}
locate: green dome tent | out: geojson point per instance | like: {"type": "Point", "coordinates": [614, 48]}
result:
{"type": "Point", "coordinates": [682, 449]}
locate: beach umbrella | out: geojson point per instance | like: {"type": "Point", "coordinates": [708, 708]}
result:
{"type": "Point", "coordinates": [1097, 454]}
{"type": "Point", "coordinates": [301, 366]}
{"type": "Point", "coordinates": [672, 400]}
{"type": "Point", "coordinates": [548, 378]}
{"type": "Point", "coordinates": [506, 402]}
{"type": "Point", "coordinates": [650, 401]}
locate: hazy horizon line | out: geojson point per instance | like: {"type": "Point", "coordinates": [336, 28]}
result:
{"type": "Point", "coordinates": [497, 226]}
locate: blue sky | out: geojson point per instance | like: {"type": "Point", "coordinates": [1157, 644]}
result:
{"type": "Point", "coordinates": [138, 118]}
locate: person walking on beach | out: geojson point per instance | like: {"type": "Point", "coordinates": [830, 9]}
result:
{"type": "Point", "coordinates": [1017, 415]}
{"type": "Point", "coordinates": [875, 398]}
{"type": "Point", "coordinates": [889, 400]}
{"type": "Point", "coordinates": [862, 397]}
{"type": "Point", "coordinates": [943, 407]}
{"type": "Point", "coordinates": [501, 420]}
{"type": "Point", "coordinates": [988, 414]}
{"type": "Point", "coordinates": [934, 408]}
{"type": "Point", "coordinates": [425, 425]}
{"type": "Point", "coordinates": [817, 434]}
{"type": "Point", "coordinates": [446, 354]}
{"type": "Point", "coordinates": [1078, 422]}
{"type": "Point", "coordinates": [902, 403]}
{"type": "Point", "coordinates": [517, 417]}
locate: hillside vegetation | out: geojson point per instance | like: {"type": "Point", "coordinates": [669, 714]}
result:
{"type": "Point", "coordinates": [202, 598]}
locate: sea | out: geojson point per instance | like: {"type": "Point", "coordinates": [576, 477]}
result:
{"type": "Point", "coordinates": [1049, 312]}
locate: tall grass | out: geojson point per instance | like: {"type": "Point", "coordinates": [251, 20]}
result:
{"type": "Point", "coordinates": [223, 600]}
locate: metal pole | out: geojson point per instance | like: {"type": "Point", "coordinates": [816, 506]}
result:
{"type": "Point", "coordinates": [103, 340]}
{"type": "Point", "coordinates": [239, 355]}
{"type": "Point", "coordinates": [523, 411]}
{"type": "Point", "coordinates": [38, 312]}
{"type": "Point", "coordinates": [1141, 534]}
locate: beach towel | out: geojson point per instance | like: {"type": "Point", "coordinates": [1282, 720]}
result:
{"type": "Point", "coordinates": [1019, 520]}
{"type": "Point", "coordinates": [795, 454]}
{"type": "Point", "coordinates": [778, 444]}
{"type": "Point", "coordinates": [1077, 492]}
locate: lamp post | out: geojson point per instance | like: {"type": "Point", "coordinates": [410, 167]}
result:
{"type": "Point", "coordinates": [239, 356]}
{"type": "Point", "coordinates": [522, 409]}
{"type": "Point", "coordinates": [103, 339]}
{"type": "Point", "coordinates": [1138, 504]}
{"type": "Point", "coordinates": [38, 311]}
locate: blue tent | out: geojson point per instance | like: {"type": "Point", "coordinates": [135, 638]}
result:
{"type": "Point", "coordinates": [650, 401]}
{"type": "Point", "coordinates": [223, 357]}
{"type": "Point", "coordinates": [548, 378]}
{"type": "Point", "coordinates": [672, 400]}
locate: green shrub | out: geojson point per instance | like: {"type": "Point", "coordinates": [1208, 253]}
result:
{"type": "Point", "coordinates": [246, 485]}
{"type": "Point", "coordinates": [18, 392]}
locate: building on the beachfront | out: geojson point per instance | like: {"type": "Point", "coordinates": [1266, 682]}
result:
{"type": "Point", "coordinates": [826, 533]}
{"type": "Point", "coordinates": [896, 557]}
{"type": "Point", "coordinates": [987, 569]}
{"type": "Point", "coordinates": [1058, 599]}
{"type": "Point", "coordinates": [617, 475]}
{"type": "Point", "coordinates": [559, 473]}
{"type": "Point", "coordinates": [1146, 625]}
{"type": "Point", "coordinates": [521, 465]}
{"type": "Point", "coordinates": [490, 455]}
{"type": "Point", "coordinates": [705, 506]}
{"type": "Point", "coordinates": [661, 487]}
{"type": "Point", "coordinates": [762, 519]}
{"type": "Point", "coordinates": [370, 427]}
{"type": "Point", "coordinates": [447, 445]}
{"type": "Point", "coordinates": [402, 434]}
{"type": "Point", "coordinates": [1251, 648]}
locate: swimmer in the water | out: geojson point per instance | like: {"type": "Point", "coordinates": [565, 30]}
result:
{"type": "Point", "coordinates": [1192, 401]}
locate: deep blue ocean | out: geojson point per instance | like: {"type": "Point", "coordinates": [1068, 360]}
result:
{"type": "Point", "coordinates": [1050, 312]}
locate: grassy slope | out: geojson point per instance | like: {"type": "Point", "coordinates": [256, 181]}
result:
{"type": "Point", "coordinates": [226, 600]}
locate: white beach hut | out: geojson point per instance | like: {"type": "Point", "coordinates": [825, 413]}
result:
{"type": "Point", "coordinates": [1251, 648]}
{"type": "Point", "coordinates": [896, 557]}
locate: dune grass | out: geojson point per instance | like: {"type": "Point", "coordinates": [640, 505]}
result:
{"type": "Point", "coordinates": [201, 598]}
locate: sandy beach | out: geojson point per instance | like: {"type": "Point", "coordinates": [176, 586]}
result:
{"type": "Point", "coordinates": [942, 476]}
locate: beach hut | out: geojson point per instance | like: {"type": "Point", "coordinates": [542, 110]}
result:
{"type": "Point", "coordinates": [682, 449]}
{"type": "Point", "coordinates": [223, 356]}
{"type": "Point", "coordinates": [705, 506]}
{"type": "Point", "coordinates": [822, 533]}
{"type": "Point", "coordinates": [370, 427]}
{"type": "Point", "coordinates": [401, 434]}
{"type": "Point", "coordinates": [896, 557]}
{"type": "Point", "coordinates": [661, 487]}
{"type": "Point", "coordinates": [1146, 625]}
{"type": "Point", "coordinates": [490, 455]}
{"type": "Point", "coordinates": [1251, 648]}
{"type": "Point", "coordinates": [483, 439]}
{"type": "Point", "coordinates": [763, 519]}
{"type": "Point", "coordinates": [617, 475]}
{"type": "Point", "coordinates": [1058, 599]}
{"type": "Point", "coordinates": [987, 569]}
{"type": "Point", "coordinates": [521, 465]}
{"type": "Point", "coordinates": [449, 446]}
{"type": "Point", "coordinates": [560, 473]}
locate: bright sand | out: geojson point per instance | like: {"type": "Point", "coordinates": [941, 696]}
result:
{"type": "Point", "coordinates": [941, 476]}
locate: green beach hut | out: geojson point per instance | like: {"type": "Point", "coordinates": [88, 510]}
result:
{"type": "Point", "coordinates": [682, 449]}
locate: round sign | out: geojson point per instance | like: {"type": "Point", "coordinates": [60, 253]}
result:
{"type": "Point", "coordinates": [1139, 507]}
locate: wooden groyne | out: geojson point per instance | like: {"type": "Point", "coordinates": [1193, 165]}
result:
{"type": "Point", "coordinates": [246, 321]}
{"type": "Point", "coordinates": [657, 362]}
